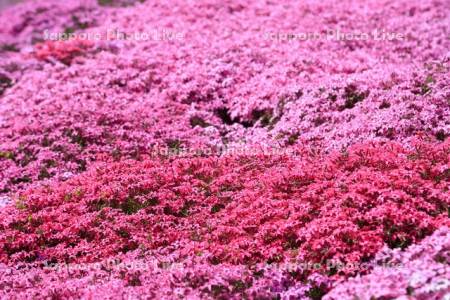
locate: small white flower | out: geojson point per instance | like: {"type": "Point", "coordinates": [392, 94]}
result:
{"type": "Point", "coordinates": [437, 285]}
{"type": "Point", "coordinates": [4, 200]}
{"type": "Point", "coordinates": [66, 175]}
{"type": "Point", "coordinates": [417, 279]}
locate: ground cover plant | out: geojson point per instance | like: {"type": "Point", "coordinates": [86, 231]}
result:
{"type": "Point", "coordinates": [225, 149]}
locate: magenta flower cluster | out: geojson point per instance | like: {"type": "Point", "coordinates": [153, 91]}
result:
{"type": "Point", "coordinates": [197, 149]}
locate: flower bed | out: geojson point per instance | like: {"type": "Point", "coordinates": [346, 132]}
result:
{"type": "Point", "coordinates": [225, 154]}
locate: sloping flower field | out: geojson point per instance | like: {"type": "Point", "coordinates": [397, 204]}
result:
{"type": "Point", "coordinates": [225, 149]}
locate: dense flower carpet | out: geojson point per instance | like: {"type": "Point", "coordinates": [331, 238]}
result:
{"type": "Point", "coordinates": [229, 149]}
